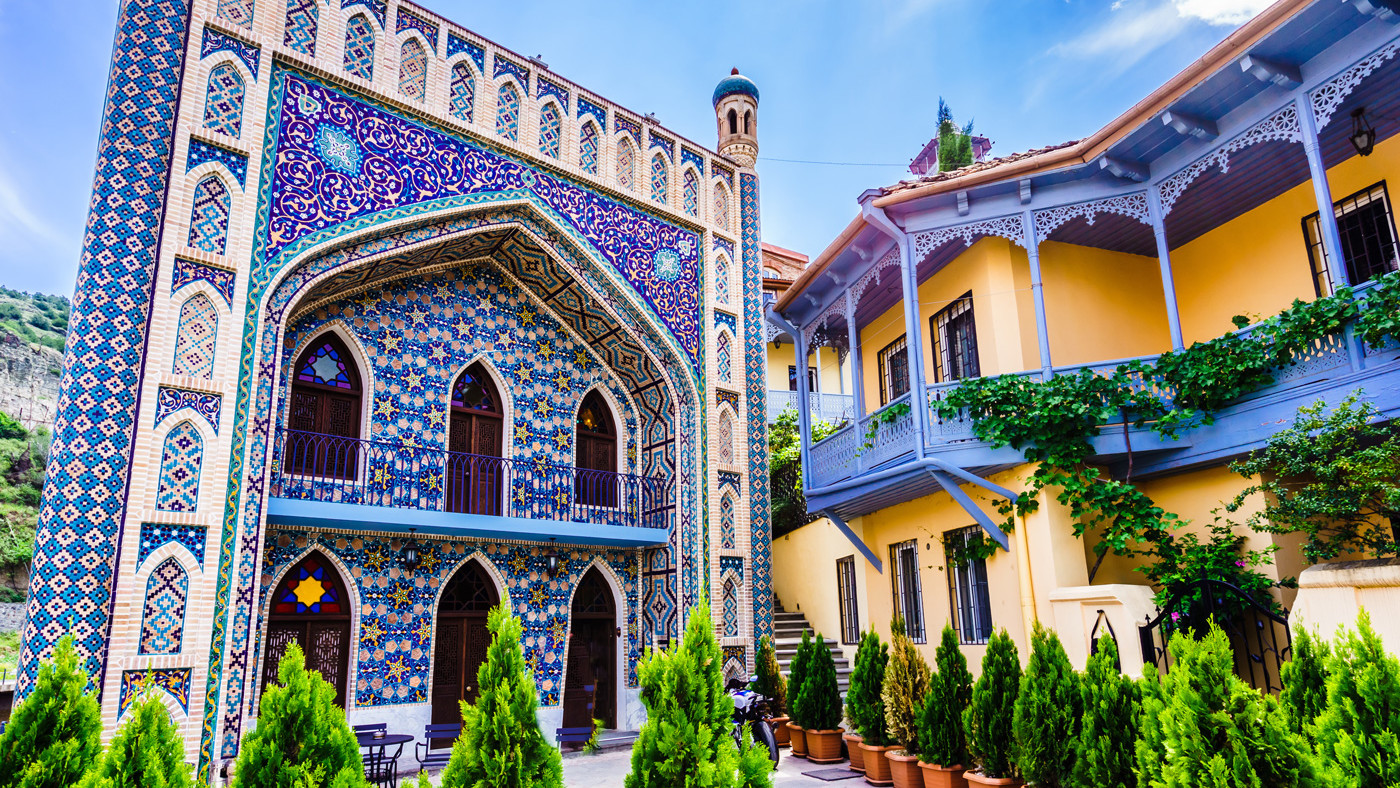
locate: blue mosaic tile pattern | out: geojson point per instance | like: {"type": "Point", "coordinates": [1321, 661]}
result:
{"type": "Point", "coordinates": [359, 47]}
{"type": "Point", "coordinates": [659, 178]}
{"type": "Point", "coordinates": [689, 156]}
{"type": "Point", "coordinates": [724, 358]}
{"type": "Point", "coordinates": [729, 479]}
{"type": "Point", "coordinates": [163, 614]}
{"type": "Point", "coordinates": [456, 44]}
{"type": "Point", "coordinates": [760, 521]}
{"type": "Point", "coordinates": [223, 101]}
{"type": "Point", "coordinates": [722, 210]}
{"type": "Point", "coordinates": [174, 681]}
{"type": "Point", "coordinates": [545, 87]}
{"type": "Point", "coordinates": [730, 397]}
{"type": "Point", "coordinates": [724, 319]}
{"type": "Point", "coordinates": [396, 623]}
{"type": "Point", "coordinates": [588, 148]}
{"type": "Point", "coordinates": [180, 462]}
{"type": "Point", "coordinates": [504, 66]}
{"type": "Point", "coordinates": [201, 152]}
{"type": "Point", "coordinates": [626, 165]}
{"type": "Point", "coordinates": [624, 123]}
{"type": "Point", "coordinates": [664, 144]}
{"type": "Point", "coordinates": [462, 93]}
{"type": "Point", "coordinates": [508, 112]}
{"type": "Point", "coordinates": [550, 130]}
{"type": "Point", "coordinates": [586, 107]}
{"type": "Point", "coordinates": [209, 215]}
{"type": "Point", "coordinates": [734, 660]}
{"type": "Point", "coordinates": [157, 535]}
{"type": "Point", "coordinates": [237, 12]}
{"type": "Point", "coordinates": [195, 338]}
{"type": "Point", "coordinates": [170, 400]}
{"type": "Point", "coordinates": [300, 32]}
{"type": "Point", "coordinates": [214, 41]}
{"type": "Point", "coordinates": [727, 526]}
{"type": "Point", "coordinates": [690, 193]}
{"type": "Point", "coordinates": [84, 500]}
{"type": "Point", "coordinates": [413, 70]}
{"type": "Point", "coordinates": [722, 245]}
{"type": "Point", "coordinates": [379, 8]}
{"type": "Point", "coordinates": [187, 272]}
{"type": "Point", "coordinates": [723, 173]}
{"type": "Point", "coordinates": [407, 20]}
{"type": "Point", "coordinates": [730, 606]}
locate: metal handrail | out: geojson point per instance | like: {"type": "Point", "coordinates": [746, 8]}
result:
{"type": "Point", "coordinates": [331, 469]}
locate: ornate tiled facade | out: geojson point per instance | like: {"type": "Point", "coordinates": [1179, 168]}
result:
{"type": "Point", "coordinates": [446, 208]}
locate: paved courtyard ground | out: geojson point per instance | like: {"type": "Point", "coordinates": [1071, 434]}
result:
{"type": "Point", "coordinates": [608, 770]}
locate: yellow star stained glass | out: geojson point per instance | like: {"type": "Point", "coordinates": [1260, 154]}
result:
{"type": "Point", "coordinates": [309, 591]}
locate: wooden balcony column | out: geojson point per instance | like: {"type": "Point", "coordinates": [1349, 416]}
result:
{"type": "Point", "coordinates": [1042, 330]}
{"type": "Point", "coordinates": [1164, 260]}
{"type": "Point", "coordinates": [854, 356]}
{"type": "Point", "coordinates": [914, 335]}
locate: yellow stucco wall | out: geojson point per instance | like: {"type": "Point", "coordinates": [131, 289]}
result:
{"type": "Point", "coordinates": [1101, 305]}
{"type": "Point", "coordinates": [834, 376]}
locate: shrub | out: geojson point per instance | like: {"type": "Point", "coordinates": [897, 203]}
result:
{"type": "Point", "coordinates": [55, 734]}
{"type": "Point", "coordinates": [1304, 677]}
{"type": "Point", "coordinates": [941, 737]}
{"type": "Point", "coordinates": [821, 698]}
{"type": "Point", "coordinates": [864, 706]}
{"type": "Point", "coordinates": [1207, 727]}
{"type": "Point", "coordinates": [145, 753]}
{"type": "Point", "coordinates": [770, 682]}
{"type": "Point", "coordinates": [797, 676]}
{"type": "Point", "coordinates": [989, 718]}
{"type": "Point", "coordinates": [1108, 732]}
{"type": "Point", "coordinates": [904, 690]}
{"type": "Point", "coordinates": [1047, 713]}
{"type": "Point", "coordinates": [687, 739]}
{"type": "Point", "coordinates": [501, 745]}
{"type": "Point", "coordinates": [1358, 735]}
{"type": "Point", "coordinates": [301, 738]}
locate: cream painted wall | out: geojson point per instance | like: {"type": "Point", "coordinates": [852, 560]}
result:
{"type": "Point", "coordinates": [807, 580]}
{"type": "Point", "coordinates": [834, 377]}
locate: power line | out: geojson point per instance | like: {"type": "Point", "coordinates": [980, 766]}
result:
{"type": "Point", "coordinates": [833, 163]}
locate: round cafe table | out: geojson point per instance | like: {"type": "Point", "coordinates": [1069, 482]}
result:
{"type": "Point", "coordinates": [381, 768]}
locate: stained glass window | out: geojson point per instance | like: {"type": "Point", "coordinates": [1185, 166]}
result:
{"type": "Point", "coordinates": [658, 178]}
{"type": "Point", "coordinates": [325, 366]}
{"type": "Point", "coordinates": [359, 47]}
{"type": "Point", "coordinates": [508, 112]}
{"type": "Point", "coordinates": [690, 193]}
{"type": "Point", "coordinates": [721, 218]}
{"type": "Point", "coordinates": [474, 391]}
{"type": "Point", "coordinates": [722, 281]}
{"type": "Point", "coordinates": [724, 359]}
{"type": "Point", "coordinates": [588, 149]}
{"type": "Point", "coordinates": [550, 130]}
{"type": "Point", "coordinates": [223, 100]}
{"type": "Point", "coordinates": [463, 92]}
{"type": "Point", "coordinates": [413, 70]}
{"type": "Point", "coordinates": [310, 588]}
{"type": "Point", "coordinates": [626, 165]}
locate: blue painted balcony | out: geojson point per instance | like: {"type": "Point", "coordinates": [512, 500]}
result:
{"type": "Point", "coordinates": [328, 481]}
{"type": "Point", "coordinates": [830, 408]}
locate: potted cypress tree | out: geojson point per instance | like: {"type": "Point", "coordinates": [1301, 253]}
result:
{"type": "Point", "coordinates": [55, 734]}
{"type": "Point", "coordinates": [989, 719]}
{"type": "Point", "coordinates": [1048, 710]}
{"type": "Point", "coordinates": [1108, 733]}
{"type": "Point", "coordinates": [797, 704]}
{"type": "Point", "coordinates": [146, 752]}
{"type": "Point", "coordinates": [821, 706]}
{"type": "Point", "coordinates": [771, 685]}
{"type": "Point", "coordinates": [904, 690]}
{"type": "Point", "coordinates": [864, 708]}
{"type": "Point", "coordinates": [942, 742]}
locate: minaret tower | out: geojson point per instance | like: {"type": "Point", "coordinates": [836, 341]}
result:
{"type": "Point", "coordinates": [736, 113]}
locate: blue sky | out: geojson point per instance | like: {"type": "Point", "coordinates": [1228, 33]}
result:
{"type": "Point", "coordinates": [851, 82]}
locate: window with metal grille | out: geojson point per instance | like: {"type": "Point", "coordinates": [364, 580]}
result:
{"type": "Point", "coordinates": [792, 378]}
{"type": "Point", "coordinates": [894, 370]}
{"type": "Point", "coordinates": [954, 335]}
{"type": "Point", "coordinates": [846, 599]}
{"type": "Point", "coordinates": [967, 586]}
{"type": "Point", "coordinates": [1366, 228]}
{"type": "Point", "coordinates": [908, 599]}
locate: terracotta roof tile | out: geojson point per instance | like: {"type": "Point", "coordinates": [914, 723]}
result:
{"type": "Point", "coordinates": [981, 166]}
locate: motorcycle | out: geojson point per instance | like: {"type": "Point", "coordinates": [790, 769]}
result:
{"type": "Point", "coordinates": [750, 709]}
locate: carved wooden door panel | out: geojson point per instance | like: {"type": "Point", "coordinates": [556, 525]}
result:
{"type": "Point", "coordinates": [279, 636]}
{"type": "Point", "coordinates": [327, 652]}
{"type": "Point", "coordinates": [447, 672]}
{"type": "Point", "coordinates": [486, 481]}
{"type": "Point", "coordinates": [578, 682]}
{"type": "Point", "coordinates": [478, 638]}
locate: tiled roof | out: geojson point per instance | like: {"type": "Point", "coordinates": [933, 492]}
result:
{"type": "Point", "coordinates": [976, 167]}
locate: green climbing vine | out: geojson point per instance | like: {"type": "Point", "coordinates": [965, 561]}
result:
{"type": "Point", "coordinates": [889, 415]}
{"type": "Point", "coordinates": [1053, 422]}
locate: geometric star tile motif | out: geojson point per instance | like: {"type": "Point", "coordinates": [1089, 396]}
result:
{"type": "Point", "coordinates": [508, 112]}
{"type": "Point", "coordinates": [658, 178]}
{"type": "Point", "coordinates": [550, 130]}
{"type": "Point", "coordinates": [462, 92]}
{"type": "Point", "coordinates": [588, 148]}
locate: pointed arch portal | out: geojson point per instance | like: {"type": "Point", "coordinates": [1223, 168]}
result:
{"type": "Point", "coordinates": [460, 640]}
{"type": "Point", "coordinates": [311, 608]}
{"type": "Point", "coordinates": [590, 681]}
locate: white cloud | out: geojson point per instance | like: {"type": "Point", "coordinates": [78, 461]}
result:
{"type": "Point", "coordinates": [1129, 34]}
{"type": "Point", "coordinates": [21, 227]}
{"type": "Point", "coordinates": [1221, 12]}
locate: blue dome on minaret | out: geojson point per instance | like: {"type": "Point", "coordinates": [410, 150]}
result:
{"type": "Point", "coordinates": [735, 83]}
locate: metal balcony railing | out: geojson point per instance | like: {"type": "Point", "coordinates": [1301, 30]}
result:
{"type": "Point", "coordinates": [831, 408]}
{"type": "Point", "coordinates": [331, 469]}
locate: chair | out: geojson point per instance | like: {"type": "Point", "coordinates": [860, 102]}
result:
{"type": "Point", "coordinates": [380, 767]}
{"type": "Point", "coordinates": [429, 758]}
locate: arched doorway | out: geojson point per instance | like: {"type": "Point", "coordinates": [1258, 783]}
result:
{"type": "Point", "coordinates": [324, 419]}
{"type": "Point", "coordinates": [595, 454]}
{"type": "Point", "coordinates": [311, 608]}
{"type": "Point", "coordinates": [474, 467]}
{"type": "Point", "coordinates": [461, 640]}
{"type": "Point", "coordinates": [593, 634]}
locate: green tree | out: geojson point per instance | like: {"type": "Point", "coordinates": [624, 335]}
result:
{"type": "Point", "coordinates": [770, 682]}
{"type": "Point", "coordinates": [942, 739]}
{"type": "Point", "coordinates": [1108, 732]}
{"type": "Point", "coordinates": [501, 745]}
{"type": "Point", "coordinates": [821, 698]}
{"type": "Point", "coordinates": [55, 734]}
{"type": "Point", "coordinates": [797, 677]}
{"type": "Point", "coordinates": [1214, 730]}
{"type": "Point", "coordinates": [785, 470]}
{"type": "Point", "coordinates": [864, 706]}
{"type": "Point", "coordinates": [301, 739]}
{"type": "Point", "coordinates": [687, 739]}
{"type": "Point", "coordinates": [1047, 712]}
{"type": "Point", "coordinates": [1358, 735]}
{"type": "Point", "coordinates": [954, 144]}
{"type": "Point", "coordinates": [1304, 677]}
{"type": "Point", "coordinates": [989, 719]}
{"type": "Point", "coordinates": [145, 753]}
{"type": "Point", "coordinates": [904, 690]}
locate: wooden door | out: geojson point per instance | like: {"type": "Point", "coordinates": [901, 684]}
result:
{"type": "Point", "coordinates": [579, 689]}
{"type": "Point", "coordinates": [327, 648]}
{"type": "Point", "coordinates": [447, 672]}
{"type": "Point", "coordinates": [475, 473]}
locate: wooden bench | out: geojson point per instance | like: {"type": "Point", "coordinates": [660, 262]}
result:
{"type": "Point", "coordinates": [429, 758]}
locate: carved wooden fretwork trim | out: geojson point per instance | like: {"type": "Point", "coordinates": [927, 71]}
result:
{"type": "Point", "coordinates": [891, 259]}
{"type": "Point", "coordinates": [1134, 206]}
{"type": "Point", "coordinates": [1009, 227]}
{"type": "Point", "coordinates": [837, 309]}
{"type": "Point", "coordinates": [1327, 98]}
{"type": "Point", "coordinates": [1281, 126]}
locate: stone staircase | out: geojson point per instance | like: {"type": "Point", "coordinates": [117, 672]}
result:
{"type": "Point", "coordinates": [787, 636]}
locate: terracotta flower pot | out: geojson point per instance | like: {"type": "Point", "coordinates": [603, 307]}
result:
{"type": "Point", "coordinates": [877, 766]}
{"type": "Point", "coordinates": [824, 746]}
{"type": "Point", "coordinates": [936, 776]}
{"type": "Point", "coordinates": [799, 739]}
{"type": "Point", "coordinates": [854, 752]}
{"type": "Point", "coordinates": [977, 778]}
{"type": "Point", "coordinates": [904, 769]}
{"type": "Point", "coordinates": [781, 733]}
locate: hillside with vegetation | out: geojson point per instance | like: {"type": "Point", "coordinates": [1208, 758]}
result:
{"type": "Point", "coordinates": [33, 328]}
